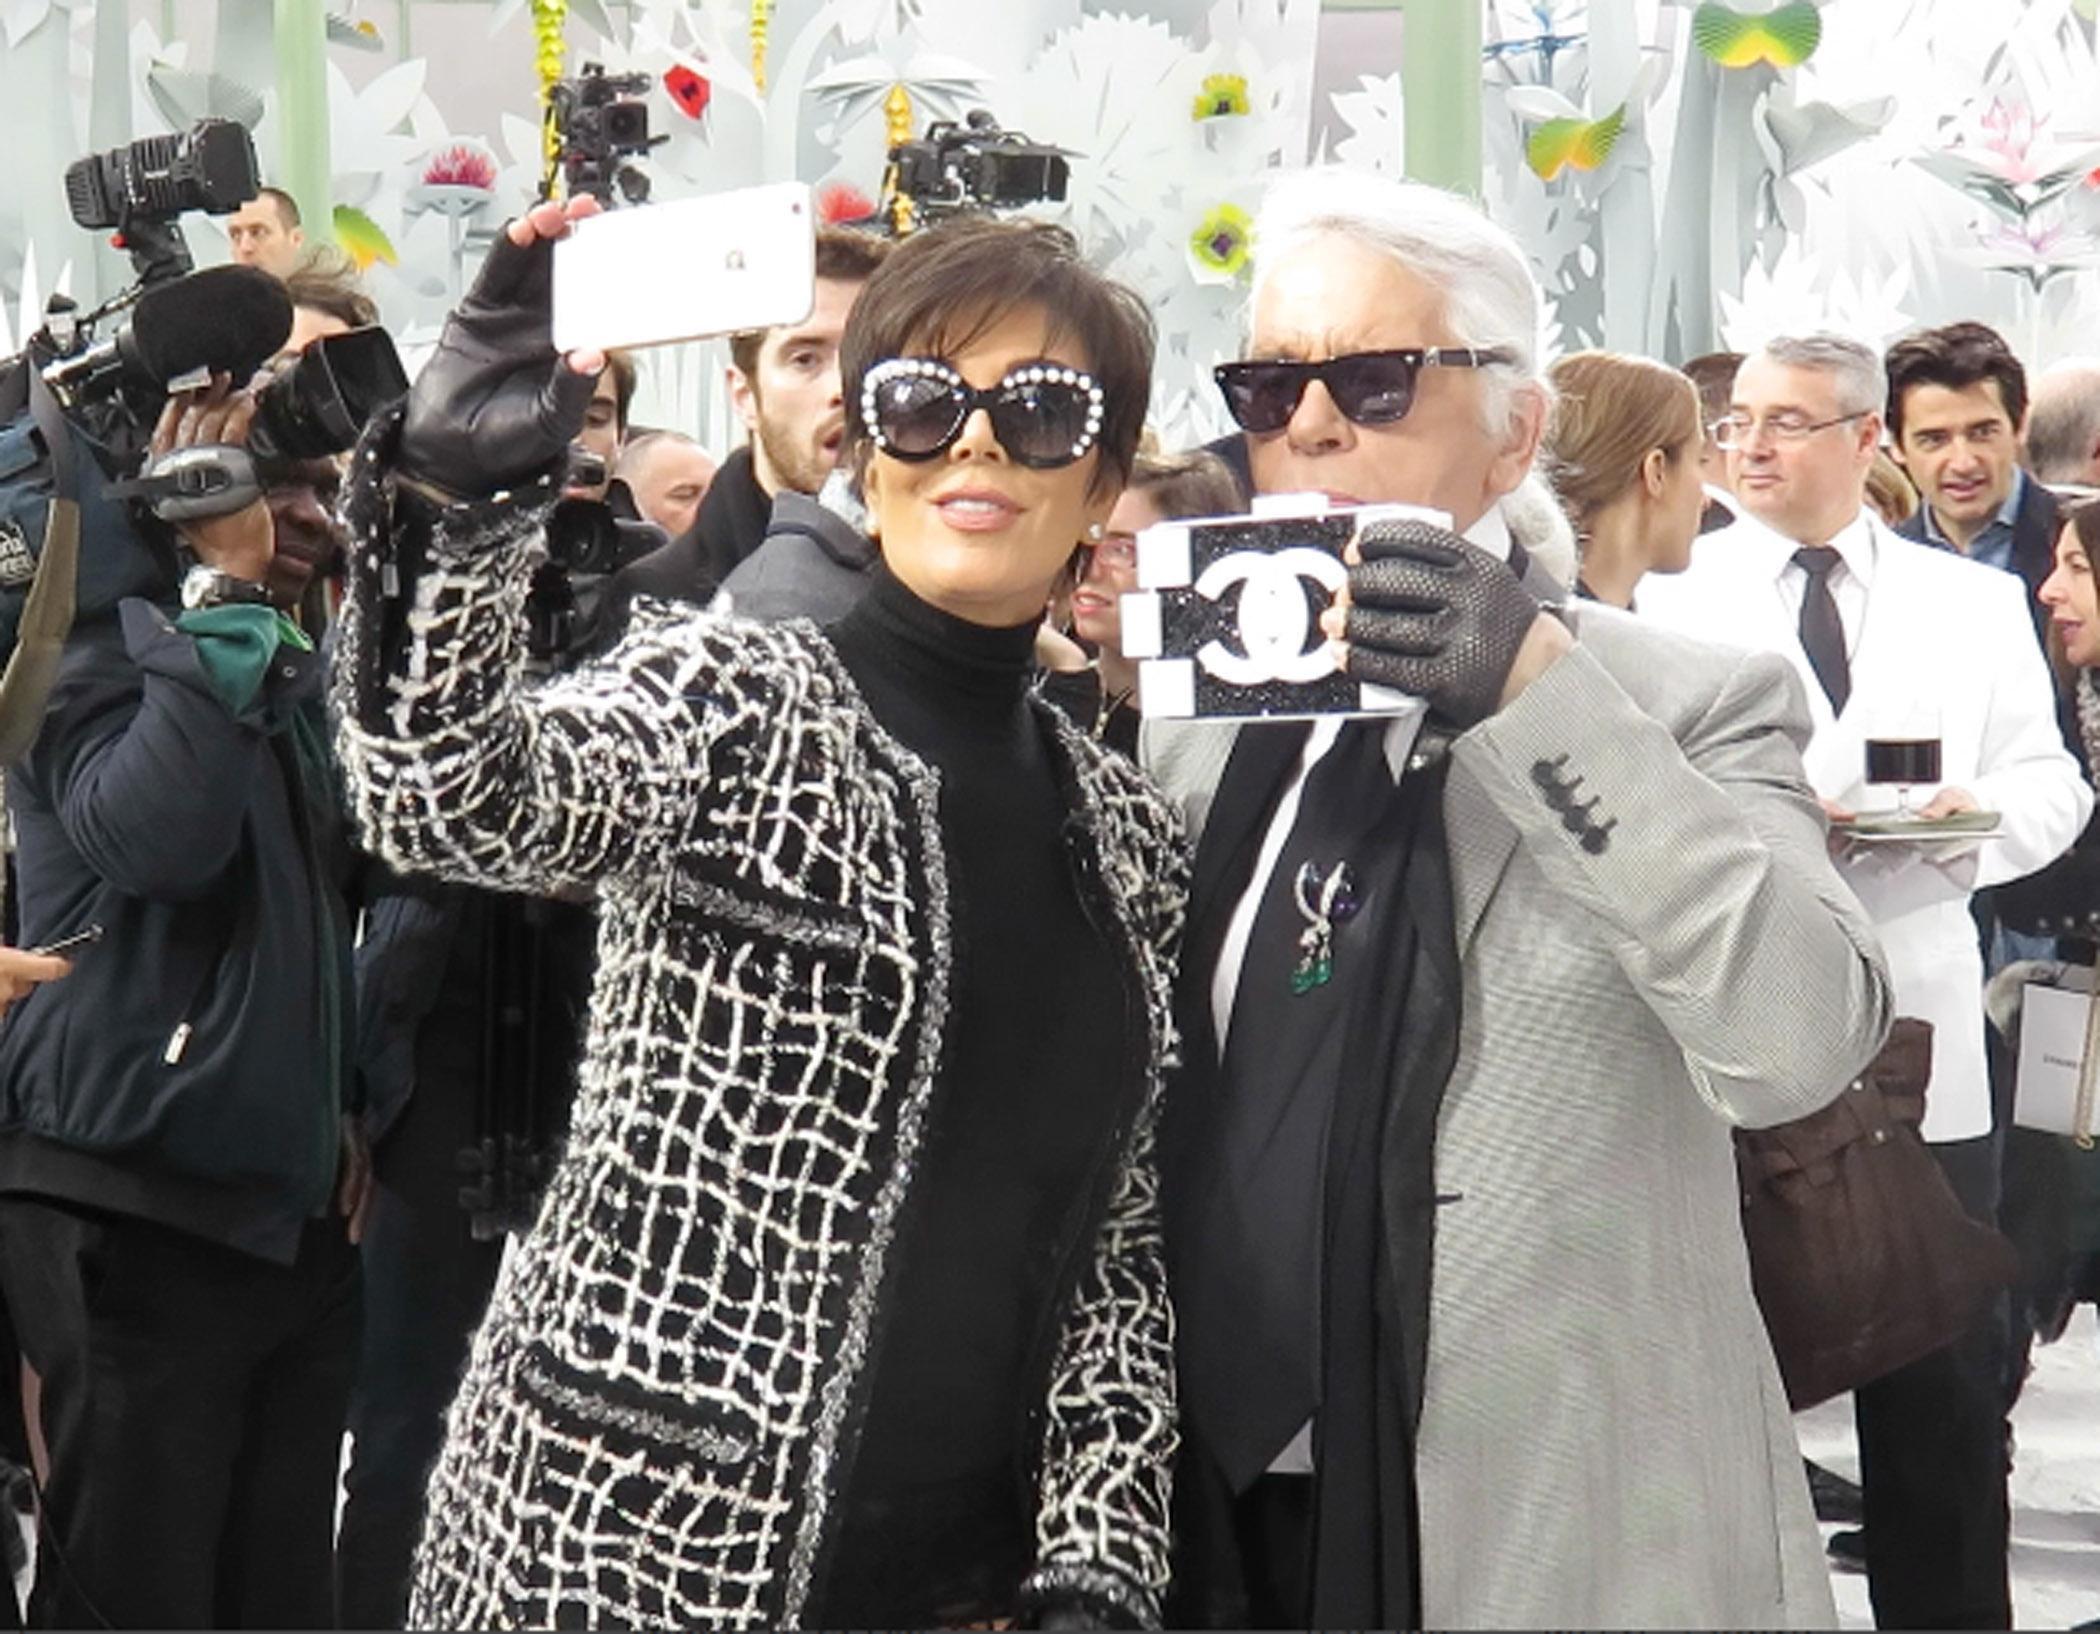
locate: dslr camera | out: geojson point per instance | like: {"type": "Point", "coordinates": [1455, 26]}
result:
{"type": "Point", "coordinates": [588, 541]}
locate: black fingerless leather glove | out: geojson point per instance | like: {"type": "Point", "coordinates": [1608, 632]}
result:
{"type": "Point", "coordinates": [1432, 615]}
{"type": "Point", "coordinates": [496, 406]}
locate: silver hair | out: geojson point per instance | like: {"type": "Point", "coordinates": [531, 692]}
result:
{"type": "Point", "coordinates": [2063, 420]}
{"type": "Point", "coordinates": [1490, 296]}
{"type": "Point", "coordinates": [1855, 367]}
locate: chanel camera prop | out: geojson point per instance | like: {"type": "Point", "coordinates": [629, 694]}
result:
{"type": "Point", "coordinates": [1225, 623]}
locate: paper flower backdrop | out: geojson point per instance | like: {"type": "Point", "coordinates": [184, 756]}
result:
{"type": "Point", "coordinates": [1682, 172]}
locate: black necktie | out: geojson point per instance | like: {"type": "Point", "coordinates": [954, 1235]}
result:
{"type": "Point", "coordinates": [1822, 631]}
{"type": "Point", "coordinates": [1250, 1299]}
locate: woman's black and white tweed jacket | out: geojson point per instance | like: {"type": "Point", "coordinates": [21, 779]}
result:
{"type": "Point", "coordinates": [656, 1421]}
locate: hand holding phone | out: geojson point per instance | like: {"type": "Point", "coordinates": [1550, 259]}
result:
{"type": "Point", "coordinates": [496, 406]}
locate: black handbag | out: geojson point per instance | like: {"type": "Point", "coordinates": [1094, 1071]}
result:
{"type": "Point", "coordinates": [1862, 1257]}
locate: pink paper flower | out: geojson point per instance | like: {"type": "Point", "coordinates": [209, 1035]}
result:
{"type": "Point", "coordinates": [461, 165]}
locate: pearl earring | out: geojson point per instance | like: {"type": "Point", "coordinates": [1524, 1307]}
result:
{"type": "Point", "coordinates": [1095, 533]}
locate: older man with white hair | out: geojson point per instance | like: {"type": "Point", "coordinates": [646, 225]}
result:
{"type": "Point", "coordinates": [1896, 640]}
{"type": "Point", "coordinates": [1467, 1330]}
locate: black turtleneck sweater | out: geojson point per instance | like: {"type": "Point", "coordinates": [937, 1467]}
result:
{"type": "Point", "coordinates": [937, 1523]}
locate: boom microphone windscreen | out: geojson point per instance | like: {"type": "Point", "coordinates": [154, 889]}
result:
{"type": "Point", "coordinates": [227, 320]}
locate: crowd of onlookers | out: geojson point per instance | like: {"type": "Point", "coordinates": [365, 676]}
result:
{"type": "Point", "coordinates": [398, 953]}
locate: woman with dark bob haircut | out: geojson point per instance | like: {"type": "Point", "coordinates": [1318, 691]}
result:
{"type": "Point", "coordinates": [845, 1306]}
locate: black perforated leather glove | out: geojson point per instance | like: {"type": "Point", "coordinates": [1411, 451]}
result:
{"type": "Point", "coordinates": [1433, 615]}
{"type": "Point", "coordinates": [495, 407]}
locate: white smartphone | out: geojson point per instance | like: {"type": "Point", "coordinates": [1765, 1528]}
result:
{"type": "Point", "coordinates": [687, 270]}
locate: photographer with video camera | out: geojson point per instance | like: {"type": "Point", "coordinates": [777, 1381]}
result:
{"type": "Point", "coordinates": [177, 1165]}
{"type": "Point", "coordinates": [181, 1175]}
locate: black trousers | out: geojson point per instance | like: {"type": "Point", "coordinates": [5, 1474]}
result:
{"type": "Point", "coordinates": [427, 1286]}
{"type": "Point", "coordinates": [427, 1283]}
{"type": "Point", "coordinates": [1932, 1440]}
{"type": "Point", "coordinates": [193, 1403]}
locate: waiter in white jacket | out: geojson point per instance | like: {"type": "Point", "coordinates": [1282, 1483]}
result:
{"type": "Point", "coordinates": [1898, 640]}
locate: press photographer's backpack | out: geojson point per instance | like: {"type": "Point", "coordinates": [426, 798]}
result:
{"type": "Point", "coordinates": [62, 556]}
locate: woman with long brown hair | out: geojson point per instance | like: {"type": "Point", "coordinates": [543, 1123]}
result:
{"type": "Point", "coordinates": [1622, 454]}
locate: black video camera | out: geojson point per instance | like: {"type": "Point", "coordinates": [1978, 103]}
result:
{"type": "Point", "coordinates": [601, 123]}
{"type": "Point", "coordinates": [142, 187]}
{"type": "Point", "coordinates": [322, 403]}
{"type": "Point", "coordinates": [588, 541]}
{"type": "Point", "coordinates": [955, 169]}
{"type": "Point", "coordinates": [179, 325]}
{"type": "Point", "coordinates": [317, 407]}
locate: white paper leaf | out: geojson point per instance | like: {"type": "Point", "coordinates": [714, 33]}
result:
{"type": "Point", "coordinates": [1538, 103]}
{"type": "Point", "coordinates": [383, 104]}
{"type": "Point", "coordinates": [22, 18]}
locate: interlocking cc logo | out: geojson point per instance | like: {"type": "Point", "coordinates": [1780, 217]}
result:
{"type": "Point", "coordinates": [1278, 639]}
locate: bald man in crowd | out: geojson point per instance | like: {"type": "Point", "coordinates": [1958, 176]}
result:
{"type": "Point", "coordinates": [668, 473]}
{"type": "Point", "coordinates": [2063, 423]}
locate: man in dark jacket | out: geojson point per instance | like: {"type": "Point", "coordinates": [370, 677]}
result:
{"type": "Point", "coordinates": [1957, 411]}
{"type": "Point", "coordinates": [813, 563]}
{"type": "Point", "coordinates": [784, 382]}
{"type": "Point", "coordinates": [176, 1159]}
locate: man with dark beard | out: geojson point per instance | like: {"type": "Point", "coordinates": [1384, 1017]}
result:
{"type": "Point", "coordinates": [784, 382]}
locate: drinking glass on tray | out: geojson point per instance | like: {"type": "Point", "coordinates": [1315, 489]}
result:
{"type": "Point", "coordinates": [1904, 750]}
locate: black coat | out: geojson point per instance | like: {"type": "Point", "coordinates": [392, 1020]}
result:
{"type": "Point", "coordinates": [814, 564]}
{"type": "Point", "coordinates": [2035, 527]}
{"type": "Point", "coordinates": [732, 521]}
{"type": "Point", "coordinates": [193, 1067]}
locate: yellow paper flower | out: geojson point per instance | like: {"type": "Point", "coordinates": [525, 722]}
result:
{"type": "Point", "coordinates": [1220, 245]}
{"type": "Point", "coordinates": [1222, 96]}
{"type": "Point", "coordinates": [550, 55]}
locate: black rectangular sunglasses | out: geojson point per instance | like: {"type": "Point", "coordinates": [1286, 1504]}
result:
{"type": "Point", "coordinates": [1371, 388]}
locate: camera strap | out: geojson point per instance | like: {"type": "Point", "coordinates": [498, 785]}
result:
{"type": "Point", "coordinates": [47, 612]}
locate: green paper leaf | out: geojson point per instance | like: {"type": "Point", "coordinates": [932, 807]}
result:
{"type": "Point", "coordinates": [361, 237]}
{"type": "Point", "coordinates": [1785, 38]}
{"type": "Point", "coordinates": [1580, 144]}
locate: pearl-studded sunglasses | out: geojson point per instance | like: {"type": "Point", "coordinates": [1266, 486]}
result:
{"type": "Point", "coordinates": [1044, 414]}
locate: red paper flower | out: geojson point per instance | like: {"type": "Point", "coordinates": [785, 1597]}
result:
{"type": "Point", "coordinates": [839, 202]}
{"type": "Point", "coordinates": [689, 88]}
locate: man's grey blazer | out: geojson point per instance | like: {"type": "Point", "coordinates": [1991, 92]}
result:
{"type": "Point", "coordinates": [1604, 1439]}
